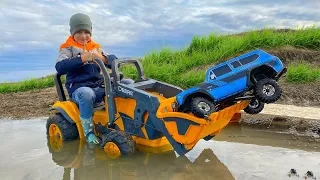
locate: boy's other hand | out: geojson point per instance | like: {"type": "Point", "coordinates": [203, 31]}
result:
{"type": "Point", "coordinates": [86, 56]}
{"type": "Point", "coordinates": [98, 54]}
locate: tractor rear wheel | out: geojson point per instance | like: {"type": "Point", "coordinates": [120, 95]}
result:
{"type": "Point", "coordinates": [59, 127]}
{"type": "Point", "coordinates": [118, 143]}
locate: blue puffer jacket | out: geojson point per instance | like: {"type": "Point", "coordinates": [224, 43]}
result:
{"type": "Point", "coordinates": [79, 74]}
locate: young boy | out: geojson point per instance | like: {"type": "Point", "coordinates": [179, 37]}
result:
{"type": "Point", "coordinates": [83, 78]}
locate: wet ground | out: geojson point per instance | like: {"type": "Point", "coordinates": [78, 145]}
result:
{"type": "Point", "coordinates": [238, 152]}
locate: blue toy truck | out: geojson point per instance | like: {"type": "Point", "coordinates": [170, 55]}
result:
{"type": "Point", "coordinates": [252, 76]}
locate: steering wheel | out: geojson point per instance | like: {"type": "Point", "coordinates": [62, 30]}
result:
{"type": "Point", "coordinates": [117, 75]}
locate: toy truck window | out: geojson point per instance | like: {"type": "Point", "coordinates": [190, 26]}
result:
{"type": "Point", "coordinates": [235, 64]}
{"type": "Point", "coordinates": [248, 59]}
{"type": "Point", "coordinates": [222, 70]}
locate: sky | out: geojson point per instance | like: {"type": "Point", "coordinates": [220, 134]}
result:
{"type": "Point", "coordinates": [33, 30]}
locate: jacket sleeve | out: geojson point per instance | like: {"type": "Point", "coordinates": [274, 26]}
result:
{"type": "Point", "coordinates": [66, 63]}
{"type": "Point", "coordinates": [111, 58]}
{"type": "Point", "coordinates": [105, 54]}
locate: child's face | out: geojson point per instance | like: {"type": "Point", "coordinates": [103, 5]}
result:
{"type": "Point", "coordinates": [82, 37]}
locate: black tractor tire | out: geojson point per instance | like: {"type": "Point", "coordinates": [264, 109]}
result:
{"type": "Point", "coordinates": [68, 130]}
{"type": "Point", "coordinates": [202, 107]}
{"type": "Point", "coordinates": [254, 107]}
{"type": "Point", "coordinates": [268, 90]}
{"type": "Point", "coordinates": [123, 140]}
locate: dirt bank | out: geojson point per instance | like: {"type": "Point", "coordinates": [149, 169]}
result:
{"type": "Point", "coordinates": [289, 54]}
{"type": "Point", "coordinates": [28, 104]}
{"type": "Point", "coordinates": [292, 125]}
{"type": "Point", "coordinates": [300, 94]}
{"type": "Point", "coordinates": [37, 102]}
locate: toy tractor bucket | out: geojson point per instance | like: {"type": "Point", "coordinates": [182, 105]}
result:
{"type": "Point", "coordinates": [187, 129]}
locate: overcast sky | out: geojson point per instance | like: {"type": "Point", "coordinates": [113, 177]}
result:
{"type": "Point", "coordinates": [33, 30]}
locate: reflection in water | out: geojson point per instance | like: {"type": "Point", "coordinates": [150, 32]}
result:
{"type": "Point", "coordinates": [246, 152]}
{"type": "Point", "coordinates": [84, 162]}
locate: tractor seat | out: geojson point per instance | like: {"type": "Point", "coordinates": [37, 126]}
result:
{"type": "Point", "coordinates": [96, 107]}
{"type": "Point", "coordinates": [62, 95]}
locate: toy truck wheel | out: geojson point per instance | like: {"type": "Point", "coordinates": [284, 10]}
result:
{"type": "Point", "coordinates": [58, 127]}
{"type": "Point", "coordinates": [254, 107]}
{"type": "Point", "coordinates": [267, 90]}
{"type": "Point", "coordinates": [202, 107]}
{"type": "Point", "coordinates": [118, 143]}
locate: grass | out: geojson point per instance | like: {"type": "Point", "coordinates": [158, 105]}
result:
{"type": "Point", "coordinates": [29, 84]}
{"type": "Point", "coordinates": [302, 73]}
{"type": "Point", "coordinates": [177, 67]}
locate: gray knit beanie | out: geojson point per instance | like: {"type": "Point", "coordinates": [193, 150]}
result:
{"type": "Point", "coordinates": [78, 22]}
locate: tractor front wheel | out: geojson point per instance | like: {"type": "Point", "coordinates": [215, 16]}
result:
{"type": "Point", "coordinates": [118, 143]}
{"type": "Point", "coordinates": [59, 127]}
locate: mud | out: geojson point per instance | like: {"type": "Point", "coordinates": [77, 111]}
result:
{"type": "Point", "coordinates": [300, 94]}
{"type": "Point", "coordinates": [296, 126]}
{"type": "Point", "coordinates": [30, 104]}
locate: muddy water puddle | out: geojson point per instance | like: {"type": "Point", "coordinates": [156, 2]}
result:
{"type": "Point", "coordinates": [238, 152]}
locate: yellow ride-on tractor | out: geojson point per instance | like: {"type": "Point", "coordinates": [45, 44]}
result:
{"type": "Point", "coordinates": [142, 113]}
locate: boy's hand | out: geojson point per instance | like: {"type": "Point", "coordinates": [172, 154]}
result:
{"type": "Point", "coordinates": [86, 56]}
{"type": "Point", "coordinates": [98, 54]}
